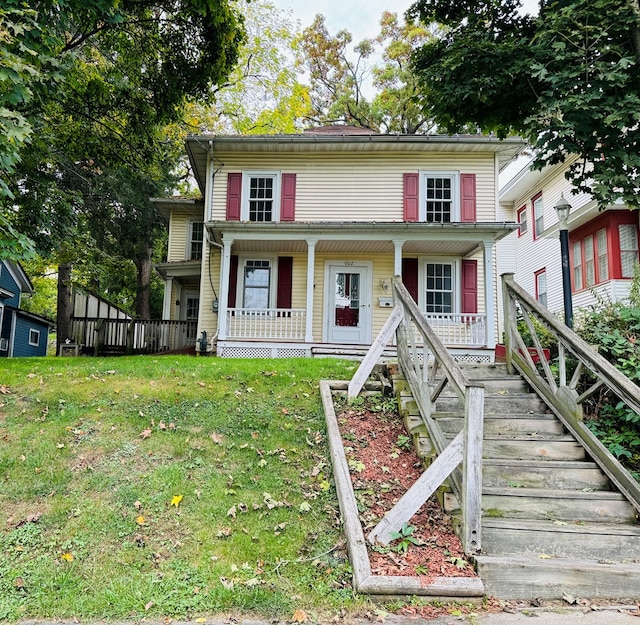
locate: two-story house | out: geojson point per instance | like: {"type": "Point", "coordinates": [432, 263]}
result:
{"type": "Point", "coordinates": [21, 333]}
{"type": "Point", "coordinates": [603, 244]}
{"type": "Point", "coordinates": [292, 248]}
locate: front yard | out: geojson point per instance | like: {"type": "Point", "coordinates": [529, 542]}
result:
{"type": "Point", "coordinates": [172, 486]}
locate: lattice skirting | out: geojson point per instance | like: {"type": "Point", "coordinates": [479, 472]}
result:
{"type": "Point", "coordinates": [262, 352]}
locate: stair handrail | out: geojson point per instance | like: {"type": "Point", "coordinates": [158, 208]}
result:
{"type": "Point", "coordinates": [560, 394]}
{"type": "Point", "coordinates": [426, 388]}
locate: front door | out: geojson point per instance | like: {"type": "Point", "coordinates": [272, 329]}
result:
{"type": "Point", "coordinates": [348, 315]}
{"type": "Point", "coordinates": [189, 311]}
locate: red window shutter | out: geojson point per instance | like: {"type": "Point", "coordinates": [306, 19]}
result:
{"type": "Point", "coordinates": [469, 286]}
{"type": "Point", "coordinates": [234, 192]}
{"type": "Point", "coordinates": [467, 197]}
{"type": "Point", "coordinates": [410, 276]}
{"type": "Point", "coordinates": [410, 201]}
{"type": "Point", "coordinates": [233, 282]}
{"type": "Point", "coordinates": [288, 198]}
{"type": "Point", "coordinates": [285, 281]}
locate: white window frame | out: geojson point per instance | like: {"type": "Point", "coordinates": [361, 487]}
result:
{"type": "Point", "coordinates": [34, 342]}
{"type": "Point", "coordinates": [456, 277]}
{"type": "Point", "coordinates": [542, 295]}
{"type": "Point", "coordinates": [628, 252]}
{"type": "Point", "coordinates": [538, 215]}
{"type": "Point", "coordinates": [190, 239]}
{"type": "Point", "coordinates": [273, 279]}
{"type": "Point", "coordinates": [246, 186]}
{"type": "Point", "coordinates": [454, 176]}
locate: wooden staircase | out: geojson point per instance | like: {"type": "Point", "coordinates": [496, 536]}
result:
{"type": "Point", "coordinates": [552, 524]}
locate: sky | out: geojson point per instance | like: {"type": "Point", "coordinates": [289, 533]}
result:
{"type": "Point", "coordinates": [360, 17]}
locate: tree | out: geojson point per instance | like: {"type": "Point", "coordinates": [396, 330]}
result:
{"type": "Point", "coordinates": [568, 80]}
{"type": "Point", "coordinates": [341, 78]}
{"type": "Point", "coordinates": [128, 69]}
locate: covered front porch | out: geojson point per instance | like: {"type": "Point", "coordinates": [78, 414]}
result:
{"type": "Point", "coordinates": [331, 284]}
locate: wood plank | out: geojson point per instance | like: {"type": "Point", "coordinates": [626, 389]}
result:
{"type": "Point", "coordinates": [420, 491]}
{"type": "Point", "coordinates": [375, 351]}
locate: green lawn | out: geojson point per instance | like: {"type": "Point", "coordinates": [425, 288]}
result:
{"type": "Point", "coordinates": [174, 486]}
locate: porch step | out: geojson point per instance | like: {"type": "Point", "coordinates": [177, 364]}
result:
{"type": "Point", "coordinates": [497, 404]}
{"type": "Point", "coordinates": [554, 474]}
{"type": "Point", "coordinates": [557, 505]}
{"type": "Point", "coordinates": [599, 541]}
{"type": "Point", "coordinates": [531, 577]}
{"type": "Point", "coordinates": [522, 424]}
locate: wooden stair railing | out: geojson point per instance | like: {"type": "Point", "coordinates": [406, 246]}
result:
{"type": "Point", "coordinates": [417, 346]}
{"type": "Point", "coordinates": [559, 392]}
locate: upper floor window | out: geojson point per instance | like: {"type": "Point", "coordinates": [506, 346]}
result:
{"type": "Point", "coordinates": [440, 198]}
{"type": "Point", "coordinates": [195, 240]}
{"type": "Point", "coordinates": [261, 196]}
{"type": "Point", "coordinates": [522, 221]}
{"type": "Point", "coordinates": [538, 215]}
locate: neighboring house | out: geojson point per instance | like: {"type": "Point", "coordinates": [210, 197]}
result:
{"type": "Point", "coordinates": [21, 333]}
{"type": "Point", "coordinates": [293, 247]}
{"type": "Point", "coordinates": [603, 244]}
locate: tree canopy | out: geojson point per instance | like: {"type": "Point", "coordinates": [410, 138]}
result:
{"type": "Point", "coordinates": [567, 79]}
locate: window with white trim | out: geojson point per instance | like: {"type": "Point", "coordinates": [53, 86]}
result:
{"type": "Point", "coordinates": [577, 265]}
{"type": "Point", "coordinates": [440, 195]}
{"type": "Point", "coordinates": [196, 238]}
{"type": "Point", "coordinates": [603, 255]}
{"type": "Point", "coordinates": [538, 215]}
{"type": "Point", "coordinates": [522, 221]}
{"type": "Point", "coordinates": [541, 286]}
{"type": "Point", "coordinates": [256, 283]}
{"type": "Point", "coordinates": [260, 197]}
{"type": "Point", "coordinates": [34, 337]}
{"type": "Point", "coordinates": [628, 249]}
{"type": "Point", "coordinates": [439, 287]}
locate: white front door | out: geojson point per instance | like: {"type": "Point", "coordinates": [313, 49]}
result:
{"type": "Point", "coordinates": [348, 313]}
{"type": "Point", "coordinates": [189, 311]}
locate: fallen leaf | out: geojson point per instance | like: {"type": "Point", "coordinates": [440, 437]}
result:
{"type": "Point", "coordinates": [202, 384]}
{"type": "Point", "coordinates": [141, 520]}
{"type": "Point", "coordinates": [148, 605]}
{"type": "Point", "coordinates": [19, 582]}
{"type": "Point", "coordinates": [217, 438]}
{"type": "Point", "coordinates": [145, 433]}
{"type": "Point", "coordinates": [300, 616]}
{"type": "Point", "coordinates": [201, 619]}
{"type": "Point", "coordinates": [137, 505]}
{"type": "Point", "coordinates": [232, 512]}
{"type": "Point", "coordinates": [176, 500]}
{"type": "Point", "coordinates": [227, 583]}
{"type": "Point", "coordinates": [545, 556]}
{"type": "Point", "coordinates": [304, 507]}
{"type": "Point", "coordinates": [162, 425]}
{"type": "Point", "coordinates": [67, 557]}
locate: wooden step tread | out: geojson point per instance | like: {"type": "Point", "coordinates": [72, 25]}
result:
{"type": "Point", "coordinates": [549, 493]}
{"type": "Point", "coordinates": [539, 464]}
{"type": "Point", "coordinates": [563, 527]}
{"type": "Point", "coordinates": [543, 416]}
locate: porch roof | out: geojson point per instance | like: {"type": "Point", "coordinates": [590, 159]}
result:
{"type": "Point", "coordinates": [359, 237]}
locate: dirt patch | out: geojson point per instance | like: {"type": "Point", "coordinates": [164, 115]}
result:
{"type": "Point", "coordinates": [383, 465]}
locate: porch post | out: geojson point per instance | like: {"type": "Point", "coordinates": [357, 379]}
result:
{"type": "Point", "coordinates": [397, 257]}
{"type": "Point", "coordinates": [489, 293]}
{"type": "Point", "coordinates": [311, 263]}
{"type": "Point", "coordinates": [225, 268]}
{"type": "Point", "coordinates": [166, 302]}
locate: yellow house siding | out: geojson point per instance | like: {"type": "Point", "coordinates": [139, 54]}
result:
{"type": "Point", "coordinates": [358, 187]}
{"type": "Point", "coordinates": [210, 267]}
{"type": "Point", "coordinates": [178, 233]}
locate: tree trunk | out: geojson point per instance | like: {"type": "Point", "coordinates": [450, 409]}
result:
{"type": "Point", "coordinates": [63, 316]}
{"type": "Point", "coordinates": [143, 290]}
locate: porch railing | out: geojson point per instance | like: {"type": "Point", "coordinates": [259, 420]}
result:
{"type": "Point", "coordinates": [131, 336]}
{"type": "Point", "coordinates": [579, 366]}
{"type": "Point", "coordinates": [459, 328]}
{"type": "Point", "coordinates": [266, 323]}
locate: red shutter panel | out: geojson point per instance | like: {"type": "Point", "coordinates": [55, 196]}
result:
{"type": "Point", "coordinates": [469, 286]}
{"type": "Point", "coordinates": [410, 276]}
{"type": "Point", "coordinates": [410, 201]}
{"type": "Point", "coordinates": [233, 282]}
{"type": "Point", "coordinates": [467, 197]}
{"type": "Point", "coordinates": [234, 192]}
{"type": "Point", "coordinates": [285, 281]}
{"type": "Point", "coordinates": [288, 198]}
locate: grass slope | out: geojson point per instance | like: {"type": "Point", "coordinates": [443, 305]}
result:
{"type": "Point", "coordinates": [169, 486]}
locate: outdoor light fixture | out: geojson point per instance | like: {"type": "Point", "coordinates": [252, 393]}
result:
{"type": "Point", "coordinates": [563, 208]}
